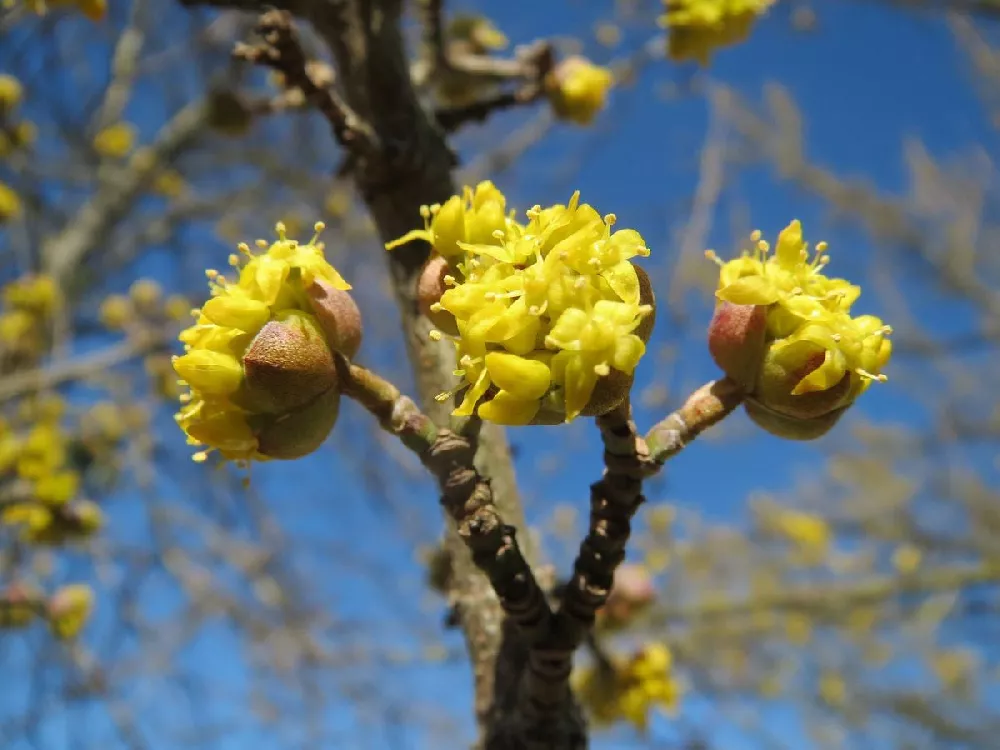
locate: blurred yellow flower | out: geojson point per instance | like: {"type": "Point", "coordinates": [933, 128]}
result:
{"type": "Point", "coordinates": [10, 92]}
{"type": "Point", "coordinates": [116, 140]}
{"type": "Point", "coordinates": [578, 90]}
{"type": "Point", "coordinates": [10, 204]}
{"type": "Point", "coordinates": [69, 610]}
{"type": "Point", "coordinates": [697, 28]}
{"type": "Point", "coordinates": [629, 690]}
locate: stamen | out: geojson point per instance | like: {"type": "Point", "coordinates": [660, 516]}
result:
{"type": "Point", "coordinates": [498, 234]}
{"type": "Point", "coordinates": [610, 219]}
{"type": "Point", "coordinates": [714, 257]}
{"type": "Point", "coordinates": [262, 244]}
{"type": "Point", "coordinates": [200, 457]}
{"type": "Point", "coordinates": [280, 229]}
{"type": "Point", "coordinates": [450, 280]}
{"type": "Point", "coordinates": [755, 236]}
{"type": "Point", "coordinates": [602, 369]}
{"type": "Point", "coordinates": [244, 248]}
{"type": "Point", "coordinates": [435, 335]}
{"type": "Point", "coordinates": [436, 307]}
{"type": "Point", "coordinates": [880, 378]}
{"type": "Point", "coordinates": [425, 212]}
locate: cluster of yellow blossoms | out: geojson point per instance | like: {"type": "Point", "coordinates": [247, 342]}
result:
{"type": "Point", "coordinates": [28, 305]}
{"type": "Point", "coordinates": [578, 90]}
{"type": "Point", "coordinates": [550, 317]}
{"type": "Point", "coordinates": [699, 27]}
{"type": "Point", "coordinates": [95, 10]}
{"type": "Point", "coordinates": [627, 691]}
{"type": "Point", "coordinates": [66, 611]}
{"type": "Point", "coordinates": [13, 135]}
{"type": "Point", "coordinates": [783, 330]}
{"type": "Point", "coordinates": [44, 484]}
{"type": "Point", "coordinates": [259, 362]}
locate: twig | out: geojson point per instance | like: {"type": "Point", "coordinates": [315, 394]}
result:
{"type": "Point", "coordinates": [451, 119]}
{"type": "Point", "coordinates": [281, 50]}
{"type": "Point", "coordinates": [39, 379]}
{"type": "Point", "coordinates": [707, 406]}
{"type": "Point", "coordinates": [465, 495]}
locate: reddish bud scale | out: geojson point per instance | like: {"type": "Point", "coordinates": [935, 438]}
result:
{"type": "Point", "coordinates": [430, 287]}
{"type": "Point", "coordinates": [736, 341]}
{"type": "Point", "coordinates": [338, 316]}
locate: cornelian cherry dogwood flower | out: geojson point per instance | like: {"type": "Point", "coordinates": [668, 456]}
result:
{"type": "Point", "coordinates": [259, 361]}
{"type": "Point", "coordinates": [783, 330]}
{"type": "Point", "coordinates": [550, 316]}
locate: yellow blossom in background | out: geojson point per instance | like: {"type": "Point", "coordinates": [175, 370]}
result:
{"type": "Point", "coordinates": [578, 90]}
{"type": "Point", "coordinates": [170, 184]}
{"type": "Point", "coordinates": [784, 331]}
{"type": "Point", "coordinates": [35, 293]}
{"type": "Point", "coordinates": [543, 311]}
{"type": "Point", "coordinates": [803, 529]}
{"type": "Point", "coordinates": [116, 140]}
{"type": "Point", "coordinates": [10, 204]}
{"type": "Point", "coordinates": [69, 609]}
{"type": "Point", "coordinates": [259, 361]}
{"type": "Point", "coordinates": [145, 295]}
{"type": "Point", "coordinates": [697, 28]}
{"type": "Point", "coordinates": [630, 689]}
{"type": "Point", "coordinates": [10, 92]}
{"type": "Point", "coordinates": [95, 10]}
{"type": "Point", "coordinates": [115, 312]}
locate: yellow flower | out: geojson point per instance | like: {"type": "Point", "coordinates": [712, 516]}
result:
{"type": "Point", "coordinates": [116, 311]}
{"type": "Point", "coordinates": [69, 610]}
{"type": "Point", "coordinates": [805, 530]}
{"type": "Point", "coordinates": [115, 141]}
{"type": "Point", "coordinates": [473, 217]}
{"type": "Point", "coordinates": [36, 293]}
{"type": "Point", "coordinates": [630, 689]}
{"type": "Point", "coordinates": [10, 204]}
{"type": "Point", "coordinates": [699, 27]}
{"type": "Point", "coordinates": [259, 361]}
{"type": "Point", "coordinates": [783, 330]}
{"type": "Point", "coordinates": [544, 311]}
{"type": "Point", "coordinates": [578, 89]}
{"type": "Point", "coordinates": [10, 92]}
{"type": "Point", "coordinates": [145, 294]}
{"type": "Point", "coordinates": [169, 184]}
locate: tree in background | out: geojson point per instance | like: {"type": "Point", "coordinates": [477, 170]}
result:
{"type": "Point", "coordinates": [248, 598]}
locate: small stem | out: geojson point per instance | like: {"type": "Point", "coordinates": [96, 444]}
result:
{"type": "Point", "coordinates": [465, 494]}
{"type": "Point", "coordinates": [705, 407]}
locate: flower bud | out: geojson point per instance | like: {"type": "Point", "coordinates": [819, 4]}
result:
{"type": "Point", "coordinates": [338, 315]}
{"type": "Point", "coordinates": [260, 360]}
{"type": "Point", "coordinates": [783, 369]}
{"type": "Point", "coordinates": [19, 606]}
{"type": "Point", "coordinates": [298, 432]}
{"type": "Point", "coordinates": [736, 340]}
{"type": "Point", "coordinates": [69, 609]}
{"type": "Point", "coordinates": [288, 364]}
{"type": "Point", "coordinates": [430, 286]}
{"type": "Point", "coordinates": [632, 591]}
{"type": "Point", "coordinates": [791, 428]}
{"type": "Point", "coordinates": [577, 89]}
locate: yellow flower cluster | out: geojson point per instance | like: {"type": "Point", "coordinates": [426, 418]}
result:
{"type": "Point", "coordinates": [578, 90]}
{"type": "Point", "coordinates": [95, 10]}
{"type": "Point", "coordinates": [542, 310]}
{"type": "Point", "coordinates": [259, 361]}
{"type": "Point", "coordinates": [787, 334]}
{"type": "Point", "coordinates": [115, 141]}
{"type": "Point", "coordinates": [28, 305]}
{"type": "Point", "coordinates": [628, 690]}
{"type": "Point", "coordinates": [699, 27]}
{"type": "Point", "coordinates": [69, 609]}
{"type": "Point", "coordinates": [14, 134]}
{"type": "Point", "coordinates": [34, 453]}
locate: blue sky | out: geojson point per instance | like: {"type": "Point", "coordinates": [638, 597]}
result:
{"type": "Point", "coordinates": [867, 77]}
